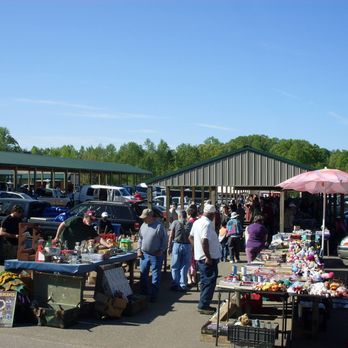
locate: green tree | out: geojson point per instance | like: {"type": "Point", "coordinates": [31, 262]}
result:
{"type": "Point", "coordinates": [301, 151]}
{"type": "Point", "coordinates": [339, 160]}
{"type": "Point", "coordinates": [149, 159]}
{"type": "Point", "coordinates": [185, 155]}
{"type": "Point", "coordinates": [130, 153]}
{"type": "Point", "coordinates": [7, 141]}
{"type": "Point", "coordinates": [164, 158]}
{"type": "Point", "coordinates": [211, 147]}
{"type": "Point", "coordinates": [259, 142]}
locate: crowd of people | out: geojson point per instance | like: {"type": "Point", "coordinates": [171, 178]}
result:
{"type": "Point", "coordinates": [197, 240]}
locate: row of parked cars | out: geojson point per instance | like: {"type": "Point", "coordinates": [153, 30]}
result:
{"type": "Point", "coordinates": [48, 218]}
{"type": "Point", "coordinates": [48, 195]}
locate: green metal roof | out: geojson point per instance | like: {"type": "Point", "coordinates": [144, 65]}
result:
{"type": "Point", "coordinates": [225, 155]}
{"type": "Point", "coordinates": [29, 161]}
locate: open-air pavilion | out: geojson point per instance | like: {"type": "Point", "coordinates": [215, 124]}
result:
{"type": "Point", "coordinates": [225, 176]}
{"type": "Point", "coordinates": [24, 168]}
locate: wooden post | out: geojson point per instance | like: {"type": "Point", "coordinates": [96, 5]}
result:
{"type": "Point", "coordinates": [193, 199]}
{"type": "Point", "coordinates": [342, 206]}
{"type": "Point", "coordinates": [167, 205]}
{"type": "Point", "coordinates": [149, 197]}
{"type": "Point", "coordinates": [65, 180]}
{"type": "Point", "coordinates": [182, 198]}
{"type": "Point", "coordinates": [53, 179]}
{"type": "Point", "coordinates": [15, 173]}
{"type": "Point", "coordinates": [281, 211]}
{"type": "Point", "coordinates": [202, 198]}
{"type": "Point", "coordinates": [34, 179]}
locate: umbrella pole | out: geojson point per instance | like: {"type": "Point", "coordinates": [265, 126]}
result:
{"type": "Point", "coordinates": [323, 225]}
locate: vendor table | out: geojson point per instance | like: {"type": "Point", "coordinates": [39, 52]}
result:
{"type": "Point", "coordinates": [73, 269]}
{"type": "Point", "coordinates": [67, 278]}
{"type": "Point", "coordinates": [239, 290]}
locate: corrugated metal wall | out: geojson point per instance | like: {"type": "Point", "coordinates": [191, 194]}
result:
{"type": "Point", "coordinates": [246, 169]}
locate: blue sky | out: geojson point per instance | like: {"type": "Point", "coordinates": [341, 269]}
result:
{"type": "Point", "coordinates": [100, 72]}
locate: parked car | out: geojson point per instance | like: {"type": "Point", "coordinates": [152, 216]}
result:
{"type": "Point", "coordinates": [102, 193]}
{"type": "Point", "coordinates": [123, 213]}
{"type": "Point", "coordinates": [162, 200]}
{"type": "Point", "coordinates": [342, 250]}
{"type": "Point", "coordinates": [161, 211]}
{"type": "Point", "coordinates": [19, 195]}
{"type": "Point", "coordinates": [158, 210]}
{"type": "Point", "coordinates": [55, 197]}
{"type": "Point", "coordinates": [31, 207]}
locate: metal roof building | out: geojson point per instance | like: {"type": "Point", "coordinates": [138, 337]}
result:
{"type": "Point", "coordinates": [246, 168]}
{"type": "Point", "coordinates": [37, 163]}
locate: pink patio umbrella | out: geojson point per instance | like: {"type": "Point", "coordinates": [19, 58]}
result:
{"type": "Point", "coordinates": [326, 181]}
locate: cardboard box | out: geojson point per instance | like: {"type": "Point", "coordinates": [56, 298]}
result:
{"type": "Point", "coordinates": [109, 306]}
{"type": "Point", "coordinates": [225, 313]}
{"type": "Point", "coordinates": [136, 304]}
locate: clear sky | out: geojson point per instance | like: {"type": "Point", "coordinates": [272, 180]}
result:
{"type": "Point", "coordinates": [101, 72]}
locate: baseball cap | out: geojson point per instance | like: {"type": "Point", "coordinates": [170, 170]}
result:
{"type": "Point", "coordinates": [209, 209]}
{"type": "Point", "coordinates": [90, 213]}
{"type": "Point", "coordinates": [146, 212]}
{"type": "Point", "coordinates": [104, 214]}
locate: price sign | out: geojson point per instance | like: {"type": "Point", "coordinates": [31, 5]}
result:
{"type": "Point", "coordinates": [7, 307]}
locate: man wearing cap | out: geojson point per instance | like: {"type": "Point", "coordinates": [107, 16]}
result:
{"type": "Point", "coordinates": [105, 225]}
{"type": "Point", "coordinates": [207, 253]}
{"type": "Point", "coordinates": [152, 244]}
{"type": "Point", "coordinates": [76, 229]}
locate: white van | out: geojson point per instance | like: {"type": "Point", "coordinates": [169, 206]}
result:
{"type": "Point", "coordinates": [162, 200]}
{"type": "Point", "coordinates": [102, 193]}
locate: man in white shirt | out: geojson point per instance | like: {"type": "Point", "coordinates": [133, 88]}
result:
{"type": "Point", "coordinates": [207, 253]}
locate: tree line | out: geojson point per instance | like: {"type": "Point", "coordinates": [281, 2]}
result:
{"type": "Point", "coordinates": [161, 159]}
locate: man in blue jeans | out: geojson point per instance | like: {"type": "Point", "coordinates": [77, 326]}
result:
{"type": "Point", "coordinates": [152, 244]}
{"type": "Point", "coordinates": [180, 248]}
{"type": "Point", "coordinates": [207, 254]}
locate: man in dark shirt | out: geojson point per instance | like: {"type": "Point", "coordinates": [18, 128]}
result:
{"type": "Point", "coordinates": [77, 229]}
{"type": "Point", "coordinates": [9, 232]}
{"type": "Point", "coordinates": [105, 225]}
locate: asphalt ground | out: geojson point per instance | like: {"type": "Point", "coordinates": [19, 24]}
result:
{"type": "Point", "coordinates": [173, 321]}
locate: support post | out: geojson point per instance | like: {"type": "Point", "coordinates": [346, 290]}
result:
{"type": "Point", "coordinates": [281, 211]}
{"type": "Point", "coordinates": [193, 194]}
{"type": "Point", "coordinates": [182, 206]}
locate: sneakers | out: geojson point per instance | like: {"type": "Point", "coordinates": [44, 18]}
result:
{"type": "Point", "coordinates": [177, 288]}
{"type": "Point", "coordinates": [207, 310]}
{"type": "Point", "coordinates": [183, 289]}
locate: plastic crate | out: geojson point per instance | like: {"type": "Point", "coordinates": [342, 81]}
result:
{"type": "Point", "coordinates": [254, 336]}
